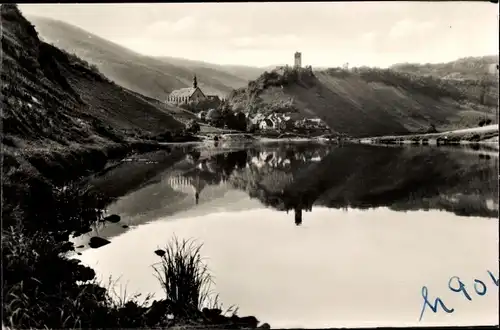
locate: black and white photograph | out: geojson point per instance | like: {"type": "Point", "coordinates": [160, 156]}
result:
{"type": "Point", "coordinates": [249, 165]}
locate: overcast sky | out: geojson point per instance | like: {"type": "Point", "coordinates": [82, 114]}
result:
{"type": "Point", "coordinates": [327, 34]}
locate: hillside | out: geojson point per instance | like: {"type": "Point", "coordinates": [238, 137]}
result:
{"type": "Point", "coordinates": [60, 115]}
{"type": "Point", "coordinates": [369, 102]}
{"type": "Point", "coordinates": [463, 68]}
{"type": "Point", "coordinates": [150, 76]}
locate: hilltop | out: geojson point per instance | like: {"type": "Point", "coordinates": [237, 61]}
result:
{"type": "Point", "coordinates": [365, 102]}
{"type": "Point", "coordinates": [154, 77]}
{"type": "Point", "coordinates": [464, 68]}
{"type": "Point", "coordinates": [60, 112]}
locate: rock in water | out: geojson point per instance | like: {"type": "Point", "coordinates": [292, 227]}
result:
{"type": "Point", "coordinates": [160, 253]}
{"type": "Point", "coordinates": [97, 242]}
{"type": "Point", "coordinates": [125, 226]}
{"type": "Point", "coordinates": [113, 218]}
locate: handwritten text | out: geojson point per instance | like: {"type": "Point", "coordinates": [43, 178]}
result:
{"type": "Point", "coordinates": [455, 285]}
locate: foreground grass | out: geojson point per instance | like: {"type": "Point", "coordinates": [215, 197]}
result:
{"type": "Point", "coordinates": [44, 288]}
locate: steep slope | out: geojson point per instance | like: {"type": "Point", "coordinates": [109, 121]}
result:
{"type": "Point", "coordinates": [49, 93]}
{"type": "Point", "coordinates": [463, 68]}
{"type": "Point", "coordinates": [153, 77]}
{"type": "Point", "coordinates": [61, 117]}
{"type": "Point", "coordinates": [368, 102]}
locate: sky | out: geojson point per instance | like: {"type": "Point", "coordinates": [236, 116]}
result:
{"type": "Point", "coordinates": [261, 34]}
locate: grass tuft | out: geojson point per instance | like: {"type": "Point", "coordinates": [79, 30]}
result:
{"type": "Point", "coordinates": [184, 276]}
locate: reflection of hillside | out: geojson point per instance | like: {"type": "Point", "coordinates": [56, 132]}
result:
{"type": "Point", "coordinates": [366, 176]}
{"type": "Point", "coordinates": [296, 177]}
{"type": "Point", "coordinates": [189, 183]}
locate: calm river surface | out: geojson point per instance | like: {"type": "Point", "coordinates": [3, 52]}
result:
{"type": "Point", "coordinates": [317, 236]}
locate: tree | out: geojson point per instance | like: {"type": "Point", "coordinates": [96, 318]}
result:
{"type": "Point", "coordinates": [193, 127]}
{"type": "Point", "coordinates": [214, 117]}
{"type": "Point", "coordinates": [240, 121]}
{"type": "Point", "coordinates": [252, 128]}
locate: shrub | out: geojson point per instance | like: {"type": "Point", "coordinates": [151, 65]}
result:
{"type": "Point", "coordinates": [193, 127]}
{"type": "Point", "coordinates": [183, 276]}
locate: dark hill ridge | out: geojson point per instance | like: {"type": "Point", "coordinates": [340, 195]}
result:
{"type": "Point", "coordinates": [61, 116]}
{"type": "Point", "coordinates": [49, 92]}
{"type": "Point", "coordinates": [150, 76]}
{"type": "Point", "coordinates": [366, 102]}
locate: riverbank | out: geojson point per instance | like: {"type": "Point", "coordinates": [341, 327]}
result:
{"type": "Point", "coordinates": [486, 134]}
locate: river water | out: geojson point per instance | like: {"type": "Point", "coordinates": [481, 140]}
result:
{"type": "Point", "coordinates": [303, 235]}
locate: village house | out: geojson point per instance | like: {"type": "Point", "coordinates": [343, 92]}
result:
{"type": "Point", "coordinates": [189, 94]}
{"type": "Point", "coordinates": [311, 123]}
{"type": "Point", "coordinates": [273, 121]}
{"type": "Point", "coordinates": [266, 123]}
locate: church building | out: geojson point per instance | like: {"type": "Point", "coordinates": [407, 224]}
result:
{"type": "Point", "coordinates": [186, 95]}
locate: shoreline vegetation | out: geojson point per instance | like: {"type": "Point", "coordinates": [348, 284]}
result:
{"type": "Point", "coordinates": [486, 134]}
{"type": "Point", "coordinates": [480, 135]}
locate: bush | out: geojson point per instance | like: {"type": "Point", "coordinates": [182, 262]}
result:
{"type": "Point", "coordinates": [193, 127]}
{"type": "Point", "coordinates": [432, 129]}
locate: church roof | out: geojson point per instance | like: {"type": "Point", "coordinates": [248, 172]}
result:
{"type": "Point", "coordinates": [188, 91]}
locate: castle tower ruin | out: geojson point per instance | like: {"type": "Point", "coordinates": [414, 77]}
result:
{"type": "Point", "coordinates": [298, 60]}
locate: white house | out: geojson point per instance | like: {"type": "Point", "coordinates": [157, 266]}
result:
{"type": "Point", "coordinates": [266, 123]}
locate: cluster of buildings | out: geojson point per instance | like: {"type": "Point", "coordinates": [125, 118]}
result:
{"type": "Point", "coordinates": [280, 121]}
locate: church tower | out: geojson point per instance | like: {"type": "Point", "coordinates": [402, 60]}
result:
{"type": "Point", "coordinates": [195, 82]}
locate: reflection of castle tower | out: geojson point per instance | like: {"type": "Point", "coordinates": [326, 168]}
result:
{"type": "Point", "coordinates": [298, 216]}
{"type": "Point", "coordinates": [298, 60]}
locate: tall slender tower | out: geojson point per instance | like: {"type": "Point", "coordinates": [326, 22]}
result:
{"type": "Point", "coordinates": [298, 60]}
{"type": "Point", "coordinates": [195, 82]}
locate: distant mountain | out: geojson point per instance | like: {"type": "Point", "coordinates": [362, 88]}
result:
{"type": "Point", "coordinates": [463, 68]}
{"type": "Point", "coordinates": [150, 76]}
{"type": "Point", "coordinates": [240, 71]}
{"type": "Point", "coordinates": [369, 102]}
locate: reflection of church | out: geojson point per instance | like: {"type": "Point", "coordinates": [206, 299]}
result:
{"type": "Point", "coordinates": [190, 185]}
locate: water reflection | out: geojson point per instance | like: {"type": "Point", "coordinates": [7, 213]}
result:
{"type": "Point", "coordinates": [298, 177]}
